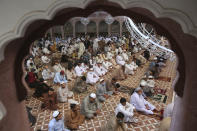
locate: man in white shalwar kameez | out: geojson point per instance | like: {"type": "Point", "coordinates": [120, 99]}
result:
{"type": "Point", "coordinates": [138, 101]}
{"type": "Point", "coordinates": [45, 59]}
{"type": "Point", "coordinates": [120, 60]}
{"type": "Point", "coordinates": [29, 61]}
{"type": "Point", "coordinates": [95, 45]}
{"type": "Point", "coordinates": [79, 70]}
{"type": "Point", "coordinates": [57, 67]}
{"type": "Point", "coordinates": [125, 56]}
{"type": "Point", "coordinates": [99, 70]}
{"type": "Point", "coordinates": [91, 78]}
{"type": "Point", "coordinates": [107, 64]}
{"type": "Point", "coordinates": [127, 109]}
{"type": "Point", "coordinates": [46, 51]}
{"type": "Point", "coordinates": [129, 69]}
{"type": "Point", "coordinates": [47, 74]}
{"type": "Point", "coordinates": [63, 92]}
{"type": "Point", "coordinates": [150, 82]}
{"type": "Point", "coordinates": [57, 123]}
{"type": "Point", "coordinates": [81, 49]}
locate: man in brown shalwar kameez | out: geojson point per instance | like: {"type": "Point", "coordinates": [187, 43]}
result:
{"type": "Point", "coordinates": [74, 119]}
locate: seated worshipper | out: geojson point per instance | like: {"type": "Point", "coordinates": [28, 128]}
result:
{"type": "Point", "coordinates": [57, 67]}
{"type": "Point", "coordinates": [57, 123]}
{"type": "Point", "coordinates": [120, 60]}
{"type": "Point", "coordinates": [47, 74]}
{"type": "Point", "coordinates": [109, 55]}
{"type": "Point", "coordinates": [150, 82]}
{"type": "Point", "coordinates": [102, 93]}
{"type": "Point", "coordinates": [74, 119]}
{"type": "Point", "coordinates": [115, 123]}
{"type": "Point", "coordinates": [46, 51]}
{"type": "Point", "coordinates": [138, 101]}
{"type": "Point", "coordinates": [45, 59]}
{"type": "Point", "coordinates": [80, 85]}
{"type": "Point", "coordinates": [146, 54]}
{"type": "Point", "coordinates": [79, 70]}
{"type": "Point", "coordinates": [125, 56]}
{"type": "Point", "coordinates": [137, 61]}
{"type": "Point", "coordinates": [31, 79]}
{"type": "Point", "coordinates": [81, 49]}
{"type": "Point", "coordinates": [32, 66]}
{"type": "Point", "coordinates": [129, 69]}
{"type": "Point", "coordinates": [50, 101]}
{"type": "Point", "coordinates": [99, 69]}
{"type": "Point", "coordinates": [42, 88]}
{"type": "Point", "coordinates": [60, 77]}
{"type": "Point", "coordinates": [106, 64]}
{"type": "Point", "coordinates": [142, 59]}
{"type": "Point", "coordinates": [70, 73]}
{"type": "Point", "coordinates": [119, 74]}
{"type": "Point", "coordinates": [29, 61]}
{"type": "Point", "coordinates": [135, 66]}
{"type": "Point", "coordinates": [90, 106]}
{"type": "Point", "coordinates": [92, 77]}
{"type": "Point", "coordinates": [127, 109]}
{"type": "Point", "coordinates": [84, 66]}
{"type": "Point", "coordinates": [63, 92]}
{"type": "Point", "coordinates": [147, 91]}
{"type": "Point", "coordinates": [115, 65]}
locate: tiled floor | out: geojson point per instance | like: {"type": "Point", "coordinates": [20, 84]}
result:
{"type": "Point", "coordinates": [146, 123]}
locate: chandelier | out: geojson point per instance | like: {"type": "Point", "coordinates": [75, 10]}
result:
{"type": "Point", "coordinates": [109, 20]}
{"type": "Point", "coordinates": [85, 21]}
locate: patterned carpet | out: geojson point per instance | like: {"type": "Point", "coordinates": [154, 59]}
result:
{"type": "Point", "coordinates": [146, 123]}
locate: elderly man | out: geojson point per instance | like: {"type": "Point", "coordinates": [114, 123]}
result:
{"type": "Point", "coordinates": [138, 101]}
{"type": "Point", "coordinates": [74, 119]}
{"type": "Point", "coordinates": [57, 123]}
{"type": "Point", "coordinates": [99, 69]}
{"type": "Point", "coordinates": [60, 77]}
{"type": "Point", "coordinates": [115, 123]}
{"type": "Point", "coordinates": [80, 85]}
{"type": "Point", "coordinates": [127, 109]}
{"type": "Point", "coordinates": [129, 69]}
{"type": "Point", "coordinates": [147, 91]}
{"type": "Point", "coordinates": [63, 92]}
{"type": "Point", "coordinates": [90, 106]}
{"type": "Point", "coordinates": [47, 74]}
{"type": "Point", "coordinates": [92, 77]}
{"type": "Point", "coordinates": [102, 92]}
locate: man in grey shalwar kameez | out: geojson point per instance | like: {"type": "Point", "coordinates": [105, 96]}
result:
{"type": "Point", "coordinates": [102, 93]}
{"type": "Point", "coordinates": [90, 106]}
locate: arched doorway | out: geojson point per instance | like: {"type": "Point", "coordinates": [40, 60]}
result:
{"type": "Point", "coordinates": [68, 29]}
{"type": "Point", "coordinates": [103, 28]}
{"type": "Point", "coordinates": [115, 28]}
{"type": "Point", "coordinates": [91, 29]}
{"type": "Point", "coordinates": [79, 29]}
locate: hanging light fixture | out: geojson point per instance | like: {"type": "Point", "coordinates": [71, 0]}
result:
{"type": "Point", "coordinates": [109, 20]}
{"type": "Point", "coordinates": [85, 21]}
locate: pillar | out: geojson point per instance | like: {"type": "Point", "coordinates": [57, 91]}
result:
{"type": "Point", "coordinates": [109, 30]}
{"type": "Point", "coordinates": [51, 32]}
{"type": "Point", "coordinates": [97, 28]}
{"type": "Point", "coordinates": [74, 32]}
{"type": "Point", "coordinates": [121, 23]}
{"type": "Point", "coordinates": [86, 29]}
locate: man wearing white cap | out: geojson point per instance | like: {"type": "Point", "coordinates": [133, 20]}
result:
{"type": "Point", "coordinates": [147, 91]}
{"type": "Point", "coordinates": [57, 123]}
{"type": "Point", "coordinates": [99, 69]}
{"type": "Point", "coordinates": [150, 82]}
{"type": "Point", "coordinates": [63, 92]}
{"type": "Point", "coordinates": [120, 60]}
{"type": "Point", "coordinates": [92, 77]}
{"type": "Point", "coordinates": [47, 73]}
{"type": "Point", "coordinates": [138, 101]}
{"type": "Point", "coordinates": [90, 106]}
{"type": "Point", "coordinates": [102, 93]}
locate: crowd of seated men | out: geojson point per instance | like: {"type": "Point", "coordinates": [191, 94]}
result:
{"type": "Point", "coordinates": [85, 61]}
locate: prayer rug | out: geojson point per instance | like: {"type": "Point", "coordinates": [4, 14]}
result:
{"type": "Point", "coordinates": [163, 78]}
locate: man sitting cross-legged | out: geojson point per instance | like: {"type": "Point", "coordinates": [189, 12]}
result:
{"type": "Point", "coordinates": [90, 106]}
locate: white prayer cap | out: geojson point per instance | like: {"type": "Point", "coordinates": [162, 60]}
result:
{"type": "Point", "coordinates": [45, 81]}
{"type": "Point", "coordinates": [71, 101]}
{"type": "Point", "coordinates": [143, 83]}
{"type": "Point", "coordinates": [155, 58]}
{"type": "Point", "coordinates": [137, 89]}
{"type": "Point", "coordinates": [91, 69]}
{"type": "Point", "coordinates": [56, 113]}
{"type": "Point", "coordinates": [101, 80]}
{"type": "Point", "coordinates": [150, 77]}
{"type": "Point", "coordinates": [62, 82]}
{"type": "Point", "coordinates": [93, 95]}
